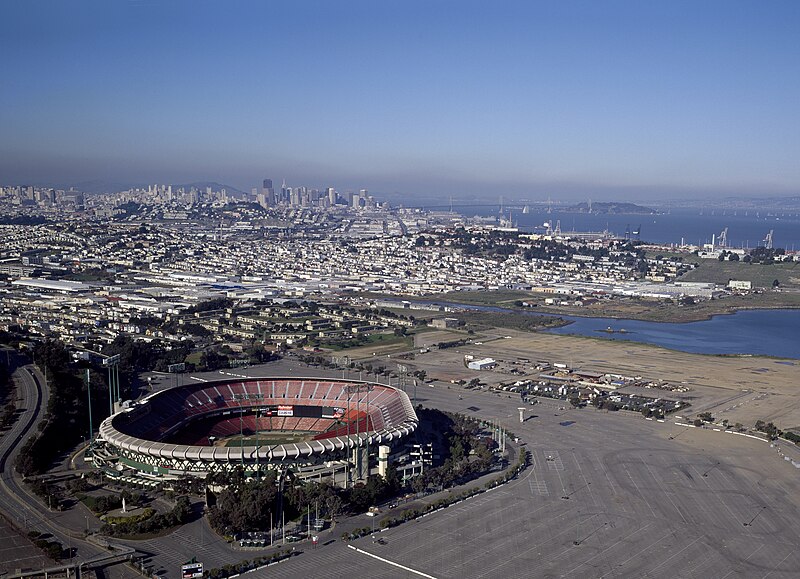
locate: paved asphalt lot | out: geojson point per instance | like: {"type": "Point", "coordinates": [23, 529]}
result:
{"type": "Point", "coordinates": [17, 552]}
{"type": "Point", "coordinates": [641, 504]}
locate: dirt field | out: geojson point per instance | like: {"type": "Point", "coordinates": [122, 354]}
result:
{"type": "Point", "coordinates": [741, 389]}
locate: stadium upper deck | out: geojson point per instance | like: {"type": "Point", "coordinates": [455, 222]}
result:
{"type": "Point", "coordinates": [337, 415]}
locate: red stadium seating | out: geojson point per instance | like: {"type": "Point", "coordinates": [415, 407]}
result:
{"type": "Point", "coordinates": [195, 411]}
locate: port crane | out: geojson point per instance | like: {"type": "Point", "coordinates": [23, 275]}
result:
{"type": "Point", "coordinates": [768, 239]}
{"type": "Point", "coordinates": [723, 238]}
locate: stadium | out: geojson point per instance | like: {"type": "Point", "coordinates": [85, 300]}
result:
{"type": "Point", "coordinates": [339, 430]}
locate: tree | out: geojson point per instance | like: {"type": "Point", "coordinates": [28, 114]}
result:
{"type": "Point", "coordinates": [457, 450]}
{"type": "Point", "coordinates": [182, 510]}
{"type": "Point", "coordinates": [418, 484]}
{"type": "Point", "coordinates": [244, 506]}
{"type": "Point", "coordinates": [334, 505]}
{"type": "Point", "coordinates": [53, 354]}
{"type": "Point", "coordinates": [775, 283]}
{"type": "Point", "coordinates": [210, 360]}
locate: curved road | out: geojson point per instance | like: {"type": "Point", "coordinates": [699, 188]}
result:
{"type": "Point", "coordinates": [16, 501]}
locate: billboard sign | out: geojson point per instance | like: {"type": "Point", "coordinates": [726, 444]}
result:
{"type": "Point", "coordinates": [191, 571]}
{"type": "Point", "coordinates": [333, 413]}
{"type": "Point", "coordinates": [285, 410]}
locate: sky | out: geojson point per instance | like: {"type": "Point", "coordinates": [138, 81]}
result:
{"type": "Point", "coordinates": [532, 99]}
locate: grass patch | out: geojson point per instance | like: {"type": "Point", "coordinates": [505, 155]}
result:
{"type": "Point", "coordinates": [371, 340]}
{"type": "Point", "coordinates": [484, 320]}
{"type": "Point", "coordinates": [713, 270]}
{"type": "Point", "coordinates": [268, 439]}
{"type": "Point", "coordinates": [501, 298]}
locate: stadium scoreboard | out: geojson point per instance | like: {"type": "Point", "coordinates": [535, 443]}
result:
{"type": "Point", "coordinates": [299, 411]}
{"type": "Point", "coordinates": [191, 571]}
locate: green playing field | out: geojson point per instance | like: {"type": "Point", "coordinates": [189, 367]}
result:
{"type": "Point", "coordinates": [267, 438]}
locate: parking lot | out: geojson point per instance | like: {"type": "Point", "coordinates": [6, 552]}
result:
{"type": "Point", "coordinates": [608, 495]}
{"type": "Point", "coordinates": [17, 552]}
{"type": "Point", "coordinates": [618, 498]}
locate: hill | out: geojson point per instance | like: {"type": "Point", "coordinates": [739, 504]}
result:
{"type": "Point", "coordinates": [611, 208]}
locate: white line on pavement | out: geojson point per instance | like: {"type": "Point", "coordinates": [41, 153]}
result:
{"type": "Point", "coordinates": [409, 569]}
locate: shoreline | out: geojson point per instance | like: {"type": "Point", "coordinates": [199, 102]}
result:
{"type": "Point", "coordinates": [647, 329]}
{"type": "Point", "coordinates": [626, 342]}
{"type": "Point", "coordinates": [702, 318]}
{"type": "Point", "coordinates": [452, 300]}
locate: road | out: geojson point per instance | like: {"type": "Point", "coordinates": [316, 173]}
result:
{"type": "Point", "coordinates": [26, 511]}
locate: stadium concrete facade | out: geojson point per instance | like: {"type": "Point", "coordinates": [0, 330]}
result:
{"type": "Point", "coordinates": [340, 430]}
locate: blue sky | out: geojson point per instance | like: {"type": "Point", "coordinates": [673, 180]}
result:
{"type": "Point", "coordinates": [608, 99]}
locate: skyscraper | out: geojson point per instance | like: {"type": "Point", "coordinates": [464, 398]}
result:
{"type": "Point", "coordinates": [267, 198]}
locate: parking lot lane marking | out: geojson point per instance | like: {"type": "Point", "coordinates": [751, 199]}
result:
{"type": "Point", "coordinates": [673, 555]}
{"type": "Point", "coordinates": [605, 550]}
{"type": "Point", "coordinates": [715, 493]}
{"type": "Point", "coordinates": [642, 550]}
{"type": "Point", "coordinates": [610, 482]}
{"type": "Point", "coordinates": [585, 481]}
{"type": "Point", "coordinates": [761, 546]}
{"type": "Point", "coordinates": [778, 565]}
{"type": "Point", "coordinates": [403, 567]}
{"type": "Point", "coordinates": [663, 490]}
{"type": "Point", "coordinates": [513, 524]}
{"type": "Point", "coordinates": [641, 494]}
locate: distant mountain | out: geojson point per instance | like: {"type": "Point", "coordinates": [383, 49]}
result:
{"type": "Point", "coordinates": [611, 208]}
{"type": "Point", "coordinates": [776, 203]}
{"type": "Point", "coordinates": [102, 186]}
{"type": "Point", "coordinates": [767, 203]}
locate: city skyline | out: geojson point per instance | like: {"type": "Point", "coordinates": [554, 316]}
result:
{"type": "Point", "coordinates": [570, 100]}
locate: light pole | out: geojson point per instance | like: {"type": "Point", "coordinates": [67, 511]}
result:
{"type": "Point", "coordinates": [357, 389]}
{"type": "Point", "coordinates": [258, 444]}
{"type": "Point", "coordinates": [89, 395]}
{"type": "Point", "coordinates": [112, 363]}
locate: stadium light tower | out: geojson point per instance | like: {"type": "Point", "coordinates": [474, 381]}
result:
{"type": "Point", "coordinates": [521, 414]}
{"type": "Point", "coordinates": [241, 436]}
{"type": "Point", "coordinates": [112, 363]}
{"type": "Point", "coordinates": [89, 396]}
{"type": "Point", "coordinates": [358, 389]}
{"type": "Point", "coordinates": [258, 444]}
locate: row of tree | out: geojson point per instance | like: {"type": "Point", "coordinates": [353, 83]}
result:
{"type": "Point", "coordinates": [154, 522]}
{"type": "Point", "coordinates": [66, 418]}
{"type": "Point", "coordinates": [252, 505]}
